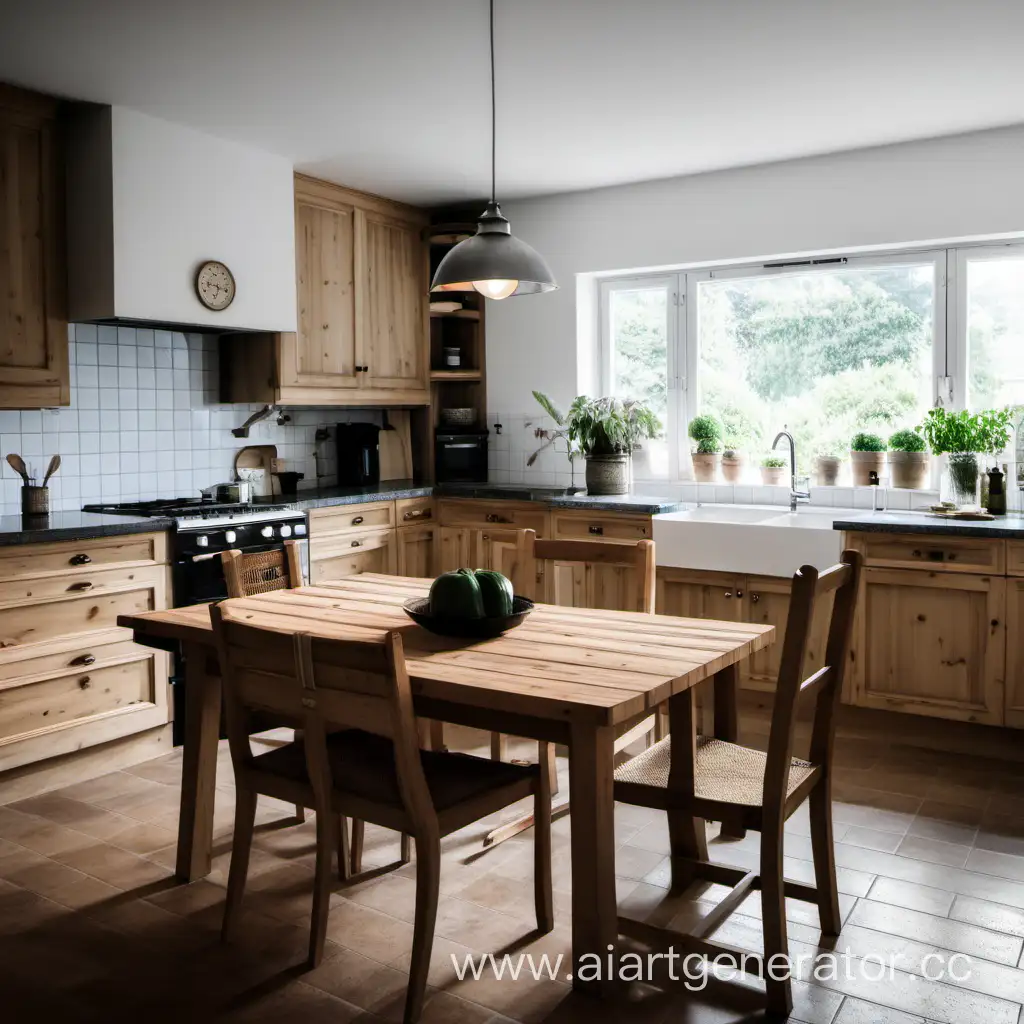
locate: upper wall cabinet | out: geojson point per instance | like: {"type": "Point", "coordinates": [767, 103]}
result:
{"type": "Point", "coordinates": [363, 328]}
{"type": "Point", "coordinates": [33, 317]}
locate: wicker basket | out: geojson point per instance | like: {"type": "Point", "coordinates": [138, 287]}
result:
{"type": "Point", "coordinates": [35, 501]}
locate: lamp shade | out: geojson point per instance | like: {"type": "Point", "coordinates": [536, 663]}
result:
{"type": "Point", "coordinates": [494, 262]}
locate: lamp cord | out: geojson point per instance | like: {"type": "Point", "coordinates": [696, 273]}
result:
{"type": "Point", "coordinates": [493, 114]}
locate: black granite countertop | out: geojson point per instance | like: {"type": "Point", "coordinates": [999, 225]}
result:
{"type": "Point", "coordinates": [1002, 527]}
{"type": "Point", "coordinates": [73, 526]}
{"type": "Point", "coordinates": [325, 497]}
{"type": "Point", "coordinates": [562, 497]}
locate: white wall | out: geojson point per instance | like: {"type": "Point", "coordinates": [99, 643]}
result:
{"type": "Point", "coordinates": [950, 189]}
{"type": "Point", "coordinates": [179, 197]}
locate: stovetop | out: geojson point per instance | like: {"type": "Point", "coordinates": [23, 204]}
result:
{"type": "Point", "coordinates": [176, 507]}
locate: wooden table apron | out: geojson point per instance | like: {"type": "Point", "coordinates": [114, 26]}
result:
{"type": "Point", "coordinates": [570, 675]}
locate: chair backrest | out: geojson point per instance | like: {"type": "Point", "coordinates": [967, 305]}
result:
{"type": "Point", "coordinates": [319, 684]}
{"type": "Point", "coordinates": [638, 557]}
{"type": "Point", "coordinates": [811, 590]}
{"type": "Point", "coordinates": [259, 572]}
{"type": "Point", "coordinates": [511, 552]}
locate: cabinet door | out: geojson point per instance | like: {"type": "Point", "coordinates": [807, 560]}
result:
{"type": "Point", "coordinates": [931, 643]}
{"type": "Point", "coordinates": [696, 594]}
{"type": "Point", "coordinates": [455, 548]}
{"type": "Point", "coordinates": [33, 325]}
{"type": "Point", "coordinates": [416, 551]}
{"type": "Point", "coordinates": [1014, 653]}
{"type": "Point", "coordinates": [393, 307]}
{"type": "Point", "coordinates": [323, 352]}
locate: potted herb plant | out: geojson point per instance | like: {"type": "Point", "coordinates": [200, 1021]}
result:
{"type": "Point", "coordinates": [732, 462]}
{"type": "Point", "coordinates": [827, 465]}
{"type": "Point", "coordinates": [772, 467]}
{"type": "Point", "coordinates": [605, 431]}
{"type": "Point", "coordinates": [909, 459]}
{"type": "Point", "coordinates": [963, 438]}
{"type": "Point", "coordinates": [706, 432]}
{"type": "Point", "coordinates": [867, 455]}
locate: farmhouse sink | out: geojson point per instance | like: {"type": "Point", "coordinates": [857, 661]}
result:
{"type": "Point", "coordinates": [764, 540]}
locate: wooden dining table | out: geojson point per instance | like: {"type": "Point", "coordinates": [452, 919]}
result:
{"type": "Point", "coordinates": [573, 676]}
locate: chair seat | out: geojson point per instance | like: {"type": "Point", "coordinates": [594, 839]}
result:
{"type": "Point", "coordinates": [724, 772]}
{"type": "Point", "coordinates": [363, 765]}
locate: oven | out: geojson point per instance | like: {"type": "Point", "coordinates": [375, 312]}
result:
{"type": "Point", "coordinates": [461, 458]}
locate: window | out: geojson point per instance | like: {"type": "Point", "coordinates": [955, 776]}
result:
{"type": "Point", "coordinates": [825, 347]}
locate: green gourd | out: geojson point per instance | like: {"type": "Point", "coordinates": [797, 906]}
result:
{"type": "Point", "coordinates": [496, 591]}
{"type": "Point", "coordinates": [456, 595]}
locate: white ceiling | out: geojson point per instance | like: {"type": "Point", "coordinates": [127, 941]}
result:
{"type": "Point", "coordinates": [391, 96]}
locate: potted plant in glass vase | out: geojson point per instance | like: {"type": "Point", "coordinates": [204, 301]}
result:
{"type": "Point", "coordinates": [772, 469]}
{"type": "Point", "coordinates": [604, 431]}
{"type": "Point", "coordinates": [964, 438]}
{"type": "Point", "coordinates": [909, 459]}
{"type": "Point", "coordinates": [706, 432]}
{"type": "Point", "coordinates": [867, 455]}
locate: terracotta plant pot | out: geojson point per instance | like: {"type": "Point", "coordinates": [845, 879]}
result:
{"type": "Point", "coordinates": [607, 474]}
{"type": "Point", "coordinates": [732, 469]}
{"type": "Point", "coordinates": [864, 464]}
{"type": "Point", "coordinates": [772, 475]}
{"type": "Point", "coordinates": [705, 467]}
{"type": "Point", "coordinates": [910, 469]}
{"type": "Point", "coordinates": [828, 467]}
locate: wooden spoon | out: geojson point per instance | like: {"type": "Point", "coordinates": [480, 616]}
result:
{"type": "Point", "coordinates": [17, 463]}
{"type": "Point", "coordinates": [52, 468]}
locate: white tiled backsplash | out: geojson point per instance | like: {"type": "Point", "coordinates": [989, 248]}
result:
{"type": "Point", "coordinates": [145, 422]}
{"type": "Point", "coordinates": [509, 450]}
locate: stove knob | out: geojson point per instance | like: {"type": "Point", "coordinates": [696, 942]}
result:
{"type": "Point", "coordinates": [230, 536]}
{"type": "Point", "coordinates": [300, 529]}
{"type": "Point", "coordinates": [286, 530]}
{"type": "Point", "coordinates": [203, 541]}
{"type": "Point", "coordinates": [267, 531]}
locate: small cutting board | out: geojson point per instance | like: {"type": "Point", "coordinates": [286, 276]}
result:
{"type": "Point", "coordinates": [396, 446]}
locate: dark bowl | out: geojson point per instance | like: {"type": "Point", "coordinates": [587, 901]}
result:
{"type": "Point", "coordinates": [418, 609]}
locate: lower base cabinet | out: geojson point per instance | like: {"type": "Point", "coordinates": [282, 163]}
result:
{"type": "Point", "coordinates": [351, 553]}
{"type": "Point", "coordinates": [416, 550]}
{"type": "Point", "coordinates": [1015, 652]}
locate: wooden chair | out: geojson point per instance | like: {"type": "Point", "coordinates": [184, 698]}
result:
{"type": "Point", "coordinates": [260, 572]}
{"type": "Point", "coordinates": [369, 767]}
{"type": "Point", "coordinates": [529, 557]}
{"type": "Point", "coordinates": [712, 779]}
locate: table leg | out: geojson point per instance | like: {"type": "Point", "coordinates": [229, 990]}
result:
{"type": "Point", "coordinates": [727, 722]}
{"type": "Point", "coordinates": [687, 835]}
{"type": "Point", "coordinates": [199, 765]}
{"type": "Point", "coordinates": [594, 910]}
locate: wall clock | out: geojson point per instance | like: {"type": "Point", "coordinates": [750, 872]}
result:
{"type": "Point", "coordinates": [215, 285]}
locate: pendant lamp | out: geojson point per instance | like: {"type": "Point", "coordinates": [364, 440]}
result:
{"type": "Point", "coordinates": [493, 261]}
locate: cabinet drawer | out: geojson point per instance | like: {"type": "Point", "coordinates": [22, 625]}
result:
{"type": "Point", "coordinates": [494, 513]}
{"type": "Point", "coordinates": [105, 552]}
{"type": "Point", "coordinates": [368, 552]}
{"type": "Point", "coordinates": [348, 543]}
{"type": "Point", "coordinates": [1015, 558]}
{"type": "Point", "coordinates": [580, 526]}
{"type": "Point", "coordinates": [27, 707]}
{"type": "Point", "coordinates": [328, 521]}
{"type": "Point", "coordinates": [67, 654]}
{"type": "Point", "coordinates": [943, 554]}
{"type": "Point", "coordinates": [409, 511]}
{"type": "Point", "coordinates": [32, 624]}
{"type": "Point", "coordinates": [75, 584]}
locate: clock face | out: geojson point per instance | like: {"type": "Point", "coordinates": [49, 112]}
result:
{"type": "Point", "coordinates": [215, 285]}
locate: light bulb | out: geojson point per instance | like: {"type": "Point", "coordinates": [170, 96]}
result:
{"type": "Point", "coordinates": [499, 288]}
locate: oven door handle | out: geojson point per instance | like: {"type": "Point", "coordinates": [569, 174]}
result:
{"type": "Point", "coordinates": [469, 444]}
{"type": "Point", "coordinates": [206, 558]}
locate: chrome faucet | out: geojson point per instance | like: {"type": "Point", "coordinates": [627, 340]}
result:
{"type": "Point", "coordinates": [795, 496]}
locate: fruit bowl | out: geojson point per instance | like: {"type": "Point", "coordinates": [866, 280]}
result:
{"type": "Point", "coordinates": [418, 609]}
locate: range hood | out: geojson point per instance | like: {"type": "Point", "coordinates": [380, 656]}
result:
{"type": "Point", "coordinates": [149, 202]}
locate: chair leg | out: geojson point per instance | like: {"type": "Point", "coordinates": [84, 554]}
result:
{"type": "Point", "coordinates": [497, 746]}
{"type": "Point", "coordinates": [241, 844]}
{"type": "Point", "coordinates": [823, 850]}
{"type": "Point", "coordinates": [542, 894]}
{"type": "Point", "coordinates": [773, 914]}
{"type": "Point", "coordinates": [325, 825]}
{"type": "Point", "coordinates": [405, 854]}
{"type": "Point", "coordinates": [341, 847]}
{"type": "Point", "coordinates": [358, 831]}
{"type": "Point", "coordinates": [428, 881]}
{"type": "Point", "coordinates": [548, 761]}
{"type": "Point", "coordinates": [300, 813]}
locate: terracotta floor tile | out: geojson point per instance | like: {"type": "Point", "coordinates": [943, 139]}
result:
{"type": "Point", "coordinates": [114, 866]}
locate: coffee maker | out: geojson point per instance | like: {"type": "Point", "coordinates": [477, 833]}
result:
{"type": "Point", "coordinates": [358, 454]}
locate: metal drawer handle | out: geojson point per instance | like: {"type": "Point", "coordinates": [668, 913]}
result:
{"type": "Point", "coordinates": [83, 659]}
{"type": "Point", "coordinates": [754, 598]}
{"type": "Point", "coordinates": [493, 517]}
{"type": "Point", "coordinates": [728, 593]}
{"type": "Point", "coordinates": [357, 543]}
{"type": "Point", "coordinates": [84, 682]}
{"type": "Point", "coordinates": [417, 513]}
{"type": "Point", "coordinates": [597, 530]}
{"type": "Point", "coordinates": [82, 559]}
{"type": "Point", "coordinates": [84, 585]}
{"type": "Point", "coordinates": [357, 520]}
{"type": "Point", "coordinates": [739, 593]}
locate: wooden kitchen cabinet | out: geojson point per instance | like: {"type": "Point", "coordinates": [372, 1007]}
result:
{"type": "Point", "coordinates": [416, 550]}
{"type": "Point", "coordinates": [931, 643]}
{"type": "Point", "coordinates": [1015, 652]}
{"type": "Point", "coordinates": [34, 336]}
{"type": "Point", "coordinates": [371, 551]}
{"type": "Point", "coordinates": [363, 322]}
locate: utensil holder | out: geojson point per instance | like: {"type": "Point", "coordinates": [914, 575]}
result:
{"type": "Point", "coordinates": [35, 501]}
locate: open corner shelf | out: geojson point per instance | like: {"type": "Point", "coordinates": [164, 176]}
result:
{"type": "Point", "coordinates": [440, 376]}
{"type": "Point", "coordinates": [458, 314]}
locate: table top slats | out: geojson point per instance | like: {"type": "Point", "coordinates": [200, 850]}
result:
{"type": "Point", "coordinates": [562, 663]}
